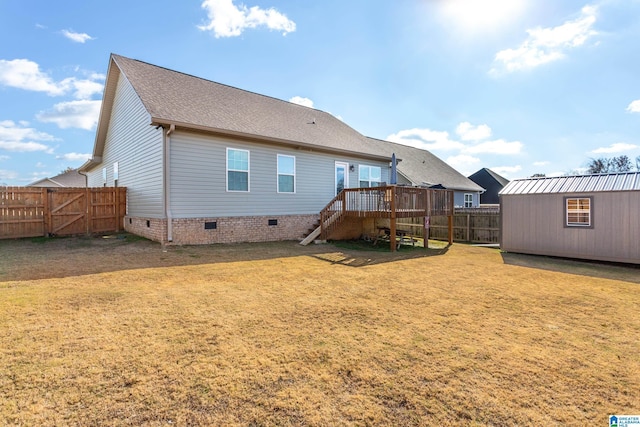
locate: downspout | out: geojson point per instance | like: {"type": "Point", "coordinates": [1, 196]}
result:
{"type": "Point", "coordinates": [167, 181]}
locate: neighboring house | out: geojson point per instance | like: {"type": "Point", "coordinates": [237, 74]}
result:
{"type": "Point", "coordinates": [209, 163]}
{"type": "Point", "coordinates": [421, 168]}
{"type": "Point", "coordinates": [590, 217]}
{"type": "Point", "coordinates": [492, 183]}
{"type": "Point", "coordinates": [71, 178]}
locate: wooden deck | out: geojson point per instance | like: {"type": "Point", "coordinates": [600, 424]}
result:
{"type": "Point", "coordinates": [390, 202]}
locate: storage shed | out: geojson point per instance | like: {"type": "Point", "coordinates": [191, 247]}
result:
{"type": "Point", "coordinates": [593, 217]}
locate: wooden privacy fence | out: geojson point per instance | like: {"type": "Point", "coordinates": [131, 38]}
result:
{"type": "Point", "coordinates": [471, 225]}
{"type": "Point", "coordinates": [35, 211]}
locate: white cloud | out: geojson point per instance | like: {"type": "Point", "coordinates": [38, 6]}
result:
{"type": "Point", "coordinates": [25, 74]}
{"type": "Point", "coordinates": [3, 158]}
{"type": "Point", "coordinates": [5, 174]}
{"type": "Point", "coordinates": [17, 138]}
{"type": "Point", "coordinates": [634, 107]}
{"type": "Point", "coordinates": [543, 163]}
{"type": "Point", "coordinates": [302, 101]}
{"type": "Point", "coordinates": [618, 147]}
{"type": "Point", "coordinates": [426, 139]}
{"type": "Point", "coordinates": [463, 163]}
{"type": "Point", "coordinates": [81, 114]}
{"type": "Point", "coordinates": [468, 132]}
{"type": "Point", "coordinates": [76, 37]}
{"type": "Point", "coordinates": [546, 45]}
{"type": "Point", "coordinates": [85, 89]}
{"type": "Point", "coordinates": [73, 157]}
{"type": "Point", "coordinates": [506, 170]}
{"type": "Point", "coordinates": [229, 20]}
{"type": "Point", "coordinates": [499, 146]}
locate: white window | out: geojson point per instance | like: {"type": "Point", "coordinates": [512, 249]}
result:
{"type": "Point", "coordinates": [237, 170]}
{"type": "Point", "coordinates": [468, 200]}
{"type": "Point", "coordinates": [578, 211]}
{"type": "Point", "coordinates": [370, 176]}
{"type": "Point", "coordinates": [286, 174]}
{"type": "Point", "coordinates": [104, 177]}
{"type": "Point", "coordinates": [115, 174]}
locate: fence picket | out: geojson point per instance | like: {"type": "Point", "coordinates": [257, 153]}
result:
{"type": "Point", "coordinates": [34, 212]}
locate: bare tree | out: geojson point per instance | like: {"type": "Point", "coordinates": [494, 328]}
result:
{"type": "Point", "coordinates": [67, 169]}
{"type": "Point", "coordinates": [610, 165]}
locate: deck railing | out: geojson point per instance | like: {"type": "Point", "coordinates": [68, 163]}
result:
{"type": "Point", "coordinates": [384, 202]}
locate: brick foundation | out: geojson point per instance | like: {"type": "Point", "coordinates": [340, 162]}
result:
{"type": "Point", "coordinates": [203, 231]}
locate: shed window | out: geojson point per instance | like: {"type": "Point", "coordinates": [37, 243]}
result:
{"type": "Point", "coordinates": [237, 170]}
{"type": "Point", "coordinates": [286, 174]}
{"type": "Point", "coordinates": [468, 200]}
{"type": "Point", "coordinates": [578, 211]}
{"type": "Point", "coordinates": [370, 176]}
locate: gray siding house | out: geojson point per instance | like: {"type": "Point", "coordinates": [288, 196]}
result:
{"type": "Point", "coordinates": [590, 217]}
{"type": "Point", "coordinates": [492, 183]}
{"type": "Point", "coordinates": [208, 163]}
{"type": "Point", "coordinates": [70, 178]}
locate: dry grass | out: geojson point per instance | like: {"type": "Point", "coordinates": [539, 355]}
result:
{"type": "Point", "coordinates": [277, 334]}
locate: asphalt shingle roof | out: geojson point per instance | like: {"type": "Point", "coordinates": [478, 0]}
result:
{"type": "Point", "coordinates": [423, 168]}
{"type": "Point", "coordinates": [172, 97]}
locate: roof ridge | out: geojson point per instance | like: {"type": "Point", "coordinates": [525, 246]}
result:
{"type": "Point", "coordinates": [540, 178]}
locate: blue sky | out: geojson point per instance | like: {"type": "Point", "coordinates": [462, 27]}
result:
{"type": "Point", "coordinates": [518, 86]}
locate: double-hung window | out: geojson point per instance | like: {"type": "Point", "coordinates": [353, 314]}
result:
{"type": "Point", "coordinates": [578, 212]}
{"type": "Point", "coordinates": [468, 200]}
{"type": "Point", "coordinates": [286, 174]}
{"type": "Point", "coordinates": [237, 170]}
{"type": "Point", "coordinates": [370, 176]}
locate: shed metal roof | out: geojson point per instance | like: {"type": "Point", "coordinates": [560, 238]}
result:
{"type": "Point", "coordinates": [627, 181]}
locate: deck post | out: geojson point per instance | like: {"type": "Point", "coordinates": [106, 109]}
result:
{"type": "Point", "coordinates": [392, 221]}
{"type": "Point", "coordinates": [425, 231]}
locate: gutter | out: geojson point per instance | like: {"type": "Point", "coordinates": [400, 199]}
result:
{"type": "Point", "coordinates": [156, 121]}
{"type": "Point", "coordinates": [167, 172]}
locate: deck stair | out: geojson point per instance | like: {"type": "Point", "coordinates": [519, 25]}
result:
{"type": "Point", "coordinates": [391, 201]}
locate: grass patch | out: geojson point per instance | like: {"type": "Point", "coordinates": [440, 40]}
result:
{"type": "Point", "coordinates": [291, 339]}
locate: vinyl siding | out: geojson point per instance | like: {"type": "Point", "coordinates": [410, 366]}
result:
{"type": "Point", "coordinates": [535, 224]}
{"type": "Point", "coordinates": [137, 147]}
{"type": "Point", "coordinates": [458, 198]}
{"type": "Point", "coordinates": [198, 178]}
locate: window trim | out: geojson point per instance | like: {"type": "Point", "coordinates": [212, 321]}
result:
{"type": "Point", "coordinates": [360, 167]}
{"type": "Point", "coordinates": [116, 173]}
{"type": "Point", "coordinates": [589, 211]}
{"type": "Point", "coordinates": [464, 200]}
{"type": "Point", "coordinates": [285, 174]}
{"type": "Point", "coordinates": [248, 171]}
{"type": "Point", "coordinates": [104, 176]}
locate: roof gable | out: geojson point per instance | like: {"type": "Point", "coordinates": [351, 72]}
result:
{"type": "Point", "coordinates": [188, 102]}
{"type": "Point", "coordinates": [485, 175]}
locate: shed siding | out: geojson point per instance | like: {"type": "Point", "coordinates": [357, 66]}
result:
{"type": "Point", "coordinates": [198, 178]}
{"type": "Point", "coordinates": [137, 147]}
{"type": "Point", "coordinates": [534, 224]}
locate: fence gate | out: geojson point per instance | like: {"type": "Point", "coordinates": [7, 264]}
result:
{"type": "Point", "coordinates": [32, 211]}
{"type": "Point", "coordinates": [67, 212]}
